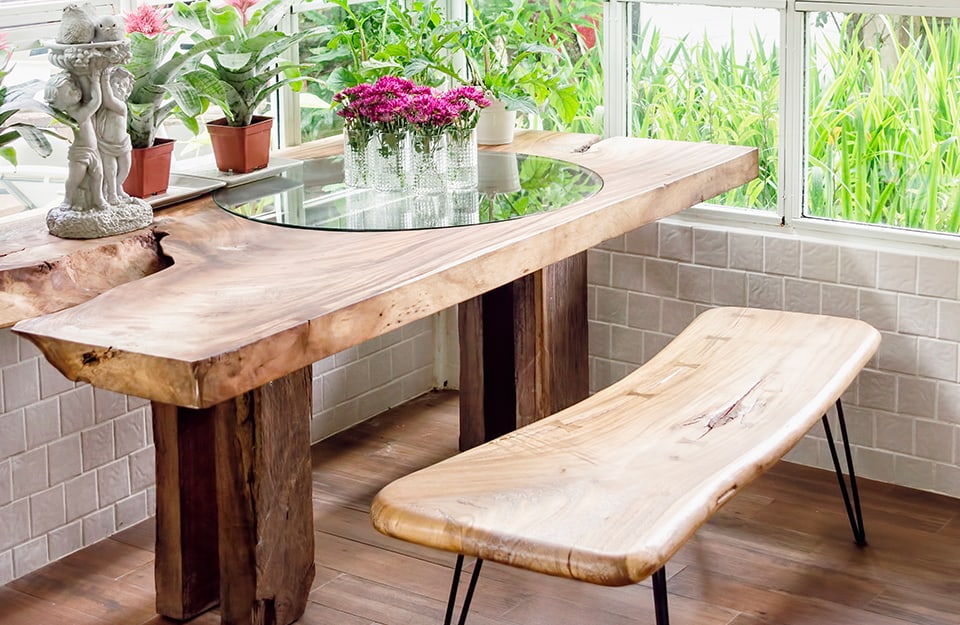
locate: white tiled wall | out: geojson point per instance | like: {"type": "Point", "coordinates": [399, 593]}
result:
{"type": "Point", "coordinates": [904, 410]}
{"type": "Point", "coordinates": [77, 463]}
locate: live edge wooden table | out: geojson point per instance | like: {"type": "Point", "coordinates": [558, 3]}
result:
{"type": "Point", "coordinates": [217, 319]}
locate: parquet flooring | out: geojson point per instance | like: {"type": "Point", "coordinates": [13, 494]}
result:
{"type": "Point", "coordinates": [780, 553]}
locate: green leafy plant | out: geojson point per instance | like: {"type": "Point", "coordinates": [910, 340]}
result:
{"type": "Point", "coordinates": [156, 65]}
{"type": "Point", "coordinates": [247, 67]}
{"type": "Point", "coordinates": [514, 54]}
{"type": "Point", "coordinates": [16, 98]}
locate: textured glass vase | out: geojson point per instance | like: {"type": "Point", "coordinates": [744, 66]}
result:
{"type": "Point", "coordinates": [355, 170]}
{"type": "Point", "coordinates": [461, 158]}
{"type": "Point", "coordinates": [388, 160]}
{"type": "Point", "coordinates": [428, 154]}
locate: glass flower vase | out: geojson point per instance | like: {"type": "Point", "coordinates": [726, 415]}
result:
{"type": "Point", "coordinates": [355, 170]}
{"type": "Point", "coordinates": [388, 160]}
{"type": "Point", "coordinates": [462, 158]}
{"type": "Point", "coordinates": [429, 162]}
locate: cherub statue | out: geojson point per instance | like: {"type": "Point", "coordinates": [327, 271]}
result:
{"type": "Point", "coordinates": [66, 91]}
{"type": "Point", "coordinates": [112, 137]}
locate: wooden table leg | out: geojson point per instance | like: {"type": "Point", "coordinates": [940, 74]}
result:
{"type": "Point", "coordinates": [264, 502]}
{"type": "Point", "coordinates": [187, 568]}
{"type": "Point", "coordinates": [523, 351]}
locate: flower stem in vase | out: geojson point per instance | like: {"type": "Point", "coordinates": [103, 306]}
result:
{"type": "Point", "coordinates": [429, 162]}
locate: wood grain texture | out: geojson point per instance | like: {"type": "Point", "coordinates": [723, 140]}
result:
{"type": "Point", "coordinates": [608, 490]}
{"type": "Point", "coordinates": [523, 351]}
{"type": "Point", "coordinates": [187, 568]}
{"type": "Point", "coordinates": [41, 273]}
{"type": "Point", "coordinates": [263, 499]}
{"type": "Point", "coordinates": [241, 292]}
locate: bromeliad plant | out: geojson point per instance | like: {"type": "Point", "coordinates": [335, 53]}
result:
{"type": "Point", "coordinates": [20, 97]}
{"type": "Point", "coordinates": [156, 65]}
{"type": "Point", "coordinates": [246, 67]}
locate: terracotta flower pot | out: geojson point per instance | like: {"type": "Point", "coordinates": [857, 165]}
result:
{"type": "Point", "coordinates": [241, 149]}
{"type": "Point", "coordinates": [149, 169]}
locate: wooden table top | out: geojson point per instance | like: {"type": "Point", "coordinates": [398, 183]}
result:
{"type": "Point", "coordinates": [203, 305]}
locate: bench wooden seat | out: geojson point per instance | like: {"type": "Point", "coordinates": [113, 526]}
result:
{"type": "Point", "coordinates": [607, 490]}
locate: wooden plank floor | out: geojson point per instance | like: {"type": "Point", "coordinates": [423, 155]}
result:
{"type": "Point", "coordinates": [779, 553]}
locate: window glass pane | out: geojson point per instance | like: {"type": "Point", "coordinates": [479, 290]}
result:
{"type": "Point", "coordinates": [569, 33]}
{"type": "Point", "coordinates": [317, 119]}
{"type": "Point", "coordinates": [710, 74]}
{"type": "Point", "coordinates": [883, 113]}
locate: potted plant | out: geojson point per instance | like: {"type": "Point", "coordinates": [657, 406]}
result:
{"type": "Point", "coordinates": [156, 94]}
{"type": "Point", "coordinates": [515, 59]}
{"type": "Point", "coordinates": [245, 69]}
{"type": "Point", "coordinates": [15, 99]}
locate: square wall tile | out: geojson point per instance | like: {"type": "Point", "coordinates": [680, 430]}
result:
{"type": "Point", "coordinates": [626, 272]}
{"type": "Point", "coordinates": [677, 315]}
{"type": "Point", "coordinates": [6, 483]}
{"type": "Point", "coordinates": [696, 283]}
{"type": "Point", "coordinates": [9, 351]}
{"type": "Point", "coordinates": [874, 464]}
{"type": "Point", "coordinates": [916, 397]}
{"type": "Point", "coordinates": [857, 267]}
{"type": "Point", "coordinates": [746, 251]}
{"type": "Point", "coordinates": [879, 309]}
{"type": "Point", "coordinates": [676, 242]}
{"type": "Point", "coordinates": [626, 345]}
{"type": "Point", "coordinates": [948, 402]}
{"type": "Point", "coordinates": [934, 440]}
{"type": "Point", "coordinates": [42, 421]}
{"type": "Point", "coordinates": [612, 306]}
{"type": "Point", "coordinates": [599, 267]}
{"type": "Point", "coordinates": [29, 472]}
{"type": "Point", "coordinates": [15, 519]}
{"type": "Point", "coordinates": [113, 482]}
{"type": "Point", "coordinates": [710, 247]}
{"type": "Point", "coordinates": [819, 261]}
{"type": "Point", "coordinates": [30, 556]}
{"type": "Point", "coordinates": [661, 277]}
{"type": "Point", "coordinates": [6, 567]}
{"type": "Point", "coordinates": [949, 321]}
{"type": "Point", "coordinates": [937, 277]}
{"type": "Point", "coordinates": [598, 335]}
{"type": "Point", "coordinates": [643, 312]}
{"type": "Point", "coordinates": [21, 384]}
{"type": "Point", "coordinates": [939, 360]}
{"type": "Point", "coordinates": [97, 446]}
{"type": "Point", "coordinates": [81, 495]}
{"type": "Point", "coordinates": [14, 439]}
{"type": "Point", "coordinates": [781, 256]}
{"type": "Point", "coordinates": [644, 241]}
{"type": "Point", "coordinates": [47, 510]}
{"type": "Point", "coordinates": [65, 459]}
{"type": "Point", "coordinates": [897, 272]}
{"type": "Point", "coordinates": [729, 288]}
{"type": "Point", "coordinates": [76, 409]}
{"type": "Point", "coordinates": [108, 405]}
{"type": "Point", "coordinates": [947, 480]}
{"type": "Point", "coordinates": [914, 472]}
{"type": "Point", "coordinates": [838, 300]}
{"type": "Point", "coordinates": [878, 390]}
{"type": "Point", "coordinates": [764, 291]}
{"type": "Point", "coordinates": [65, 540]}
{"type": "Point", "coordinates": [52, 382]}
{"type": "Point", "coordinates": [899, 353]}
{"type": "Point", "coordinates": [801, 296]}
{"type": "Point", "coordinates": [98, 526]}
{"type": "Point", "coordinates": [895, 433]}
{"type": "Point", "coordinates": [918, 315]}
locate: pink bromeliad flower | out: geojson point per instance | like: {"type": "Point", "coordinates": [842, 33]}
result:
{"type": "Point", "coordinates": [146, 19]}
{"type": "Point", "coordinates": [242, 6]}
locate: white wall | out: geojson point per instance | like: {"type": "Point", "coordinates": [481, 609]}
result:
{"type": "Point", "coordinates": [904, 410]}
{"type": "Point", "coordinates": [77, 463]}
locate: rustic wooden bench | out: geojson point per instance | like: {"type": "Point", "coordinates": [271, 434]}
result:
{"type": "Point", "coordinates": [606, 491]}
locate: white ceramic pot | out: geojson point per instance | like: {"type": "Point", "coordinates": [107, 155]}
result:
{"type": "Point", "coordinates": [495, 125]}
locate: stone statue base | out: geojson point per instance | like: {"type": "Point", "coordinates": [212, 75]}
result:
{"type": "Point", "coordinates": [91, 223]}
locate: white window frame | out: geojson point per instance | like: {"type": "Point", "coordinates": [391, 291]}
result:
{"type": "Point", "coordinates": [792, 131]}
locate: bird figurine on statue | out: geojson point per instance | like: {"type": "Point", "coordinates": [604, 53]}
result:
{"type": "Point", "coordinates": [109, 28]}
{"type": "Point", "coordinates": [77, 25]}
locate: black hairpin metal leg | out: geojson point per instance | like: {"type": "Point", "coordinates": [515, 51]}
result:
{"type": "Point", "coordinates": [448, 619]}
{"type": "Point", "coordinates": [660, 596]}
{"type": "Point", "coordinates": [853, 510]}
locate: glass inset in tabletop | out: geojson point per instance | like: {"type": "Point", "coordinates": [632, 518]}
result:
{"type": "Point", "coordinates": [314, 196]}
